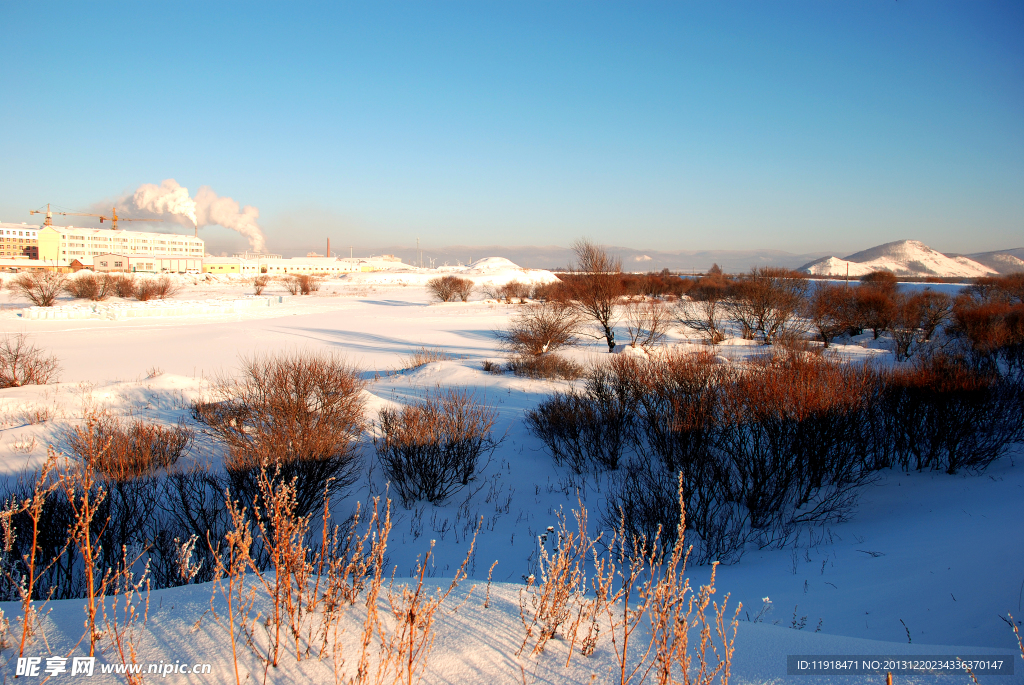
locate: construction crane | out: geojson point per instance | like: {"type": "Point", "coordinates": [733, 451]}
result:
{"type": "Point", "coordinates": [113, 218]}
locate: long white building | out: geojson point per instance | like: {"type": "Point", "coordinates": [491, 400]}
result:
{"type": "Point", "coordinates": [61, 245]}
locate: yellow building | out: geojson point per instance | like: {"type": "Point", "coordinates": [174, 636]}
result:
{"type": "Point", "coordinates": [61, 245]}
{"type": "Point", "coordinates": [222, 265]}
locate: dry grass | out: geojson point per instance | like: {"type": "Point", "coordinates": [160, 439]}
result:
{"type": "Point", "coordinates": [427, 355]}
{"type": "Point", "coordinates": [546, 366]}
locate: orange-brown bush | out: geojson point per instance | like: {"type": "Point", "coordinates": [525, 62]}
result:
{"type": "Point", "coordinates": [882, 281]}
{"type": "Point", "coordinates": [432, 449]}
{"type": "Point", "coordinates": [155, 288]}
{"type": "Point", "coordinates": [447, 288]}
{"type": "Point", "coordinates": [941, 413]}
{"type": "Point", "coordinates": [647, 322]}
{"type": "Point", "coordinates": [122, 285]}
{"type": "Point", "coordinates": [41, 288]}
{"type": "Point", "coordinates": [298, 415]}
{"type": "Point", "coordinates": [513, 290]}
{"type": "Point", "coordinates": [125, 450]}
{"type": "Point", "coordinates": [22, 363]}
{"type": "Point", "coordinates": [539, 329]}
{"type": "Point", "coordinates": [831, 310]}
{"type": "Point", "coordinates": [259, 283]}
{"type": "Point", "coordinates": [86, 285]}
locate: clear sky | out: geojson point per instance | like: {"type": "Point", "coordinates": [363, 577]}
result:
{"type": "Point", "coordinates": [799, 126]}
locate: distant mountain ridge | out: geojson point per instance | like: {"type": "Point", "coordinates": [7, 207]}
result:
{"type": "Point", "coordinates": [915, 259]}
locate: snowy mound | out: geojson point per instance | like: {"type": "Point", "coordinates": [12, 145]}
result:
{"type": "Point", "coordinates": [491, 270]}
{"type": "Point", "coordinates": [903, 258]}
{"type": "Point", "coordinates": [833, 266]}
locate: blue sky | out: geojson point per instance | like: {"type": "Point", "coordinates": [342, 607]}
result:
{"type": "Point", "coordinates": [799, 126]}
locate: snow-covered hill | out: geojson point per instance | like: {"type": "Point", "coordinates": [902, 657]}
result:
{"type": "Point", "coordinates": [903, 258]}
{"type": "Point", "coordinates": [1003, 261]}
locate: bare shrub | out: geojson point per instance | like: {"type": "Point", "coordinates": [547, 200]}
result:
{"type": "Point", "coordinates": [297, 415]}
{"type": "Point", "coordinates": [130, 449]}
{"type": "Point", "coordinates": [539, 329]}
{"type": "Point", "coordinates": [990, 333]}
{"type": "Point", "coordinates": [302, 284]}
{"type": "Point", "coordinates": [586, 430]}
{"type": "Point", "coordinates": [882, 281]}
{"type": "Point", "coordinates": [259, 284]}
{"type": "Point", "coordinates": [559, 591]}
{"type": "Point", "coordinates": [86, 285]}
{"type": "Point", "coordinates": [594, 288]}
{"type": "Point", "coordinates": [513, 290]}
{"type": "Point", "coordinates": [447, 288]}
{"type": "Point", "coordinates": [430, 450]}
{"type": "Point", "coordinates": [942, 414]}
{"type": "Point", "coordinates": [546, 366]}
{"type": "Point", "coordinates": [22, 363]}
{"type": "Point", "coordinates": [646, 322]}
{"type": "Point", "coordinates": [916, 319]}
{"type": "Point", "coordinates": [122, 285]}
{"type": "Point", "coordinates": [41, 288]}
{"type": "Point", "coordinates": [154, 288]}
{"type": "Point", "coordinates": [874, 309]}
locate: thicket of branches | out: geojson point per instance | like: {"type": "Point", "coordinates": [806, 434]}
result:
{"type": "Point", "coordinates": [22, 363]}
{"type": "Point", "coordinates": [773, 445]}
{"type": "Point", "coordinates": [448, 288]}
{"type": "Point", "coordinates": [297, 416]}
{"type": "Point", "coordinates": [432, 449]}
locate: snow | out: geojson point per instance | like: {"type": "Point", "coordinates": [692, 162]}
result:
{"type": "Point", "coordinates": [942, 555]}
{"type": "Point", "coordinates": [903, 258]}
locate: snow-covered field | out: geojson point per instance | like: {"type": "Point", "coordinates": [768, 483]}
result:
{"type": "Point", "coordinates": [928, 565]}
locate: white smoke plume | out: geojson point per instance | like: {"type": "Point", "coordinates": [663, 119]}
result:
{"type": "Point", "coordinates": [206, 209]}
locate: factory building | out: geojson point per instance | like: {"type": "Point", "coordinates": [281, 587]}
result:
{"type": "Point", "coordinates": [61, 245]}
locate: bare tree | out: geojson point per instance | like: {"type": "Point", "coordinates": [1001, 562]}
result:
{"type": "Point", "coordinates": [594, 287]}
{"type": "Point", "coordinates": [767, 301]}
{"type": "Point", "coordinates": [539, 329]}
{"type": "Point", "coordinates": [830, 310]}
{"type": "Point", "coordinates": [41, 288]}
{"type": "Point", "coordinates": [22, 363]}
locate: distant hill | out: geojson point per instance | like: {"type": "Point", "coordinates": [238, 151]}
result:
{"type": "Point", "coordinates": [554, 257]}
{"type": "Point", "coordinates": [1003, 261]}
{"type": "Point", "coordinates": [903, 258]}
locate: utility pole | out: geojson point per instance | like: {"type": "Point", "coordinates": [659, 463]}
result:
{"type": "Point", "coordinates": [350, 252]}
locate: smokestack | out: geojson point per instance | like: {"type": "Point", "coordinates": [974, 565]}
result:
{"type": "Point", "coordinates": [328, 247]}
